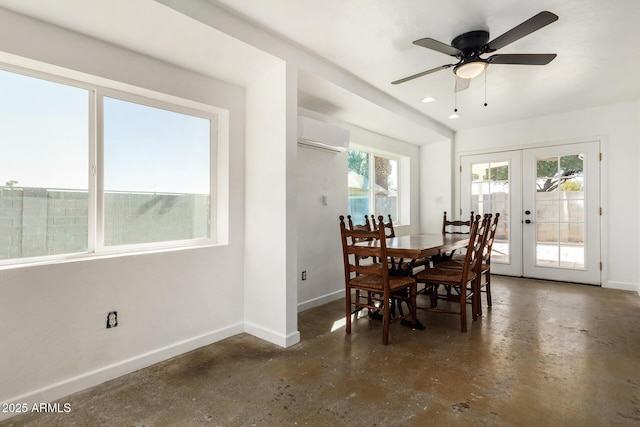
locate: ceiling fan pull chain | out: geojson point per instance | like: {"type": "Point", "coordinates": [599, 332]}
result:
{"type": "Point", "coordinates": [485, 87]}
{"type": "Point", "coordinates": [455, 102]}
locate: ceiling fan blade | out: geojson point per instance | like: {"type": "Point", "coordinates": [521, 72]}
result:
{"type": "Point", "coordinates": [522, 58]}
{"type": "Point", "coordinates": [461, 84]}
{"type": "Point", "coordinates": [542, 19]}
{"type": "Point", "coordinates": [424, 73]}
{"type": "Point", "coordinates": [438, 46]}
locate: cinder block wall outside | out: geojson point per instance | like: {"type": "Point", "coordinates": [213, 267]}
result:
{"type": "Point", "coordinates": [40, 221]}
{"type": "Point", "coordinates": [563, 207]}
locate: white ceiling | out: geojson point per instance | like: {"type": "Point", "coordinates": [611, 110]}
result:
{"type": "Point", "coordinates": [148, 27]}
{"type": "Point", "coordinates": [596, 42]}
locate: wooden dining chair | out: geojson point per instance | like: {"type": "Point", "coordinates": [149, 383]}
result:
{"type": "Point", "coordinates": [484, 278]}
{"type": "Point", "coordinates": [381, 287]}
{"type": "Point", "coordinates": [457, 263]}
{"type": "Point", "coordinates": [452, 227]}
{"type": "Point", "coordinates": [483, 281]}
{"type": "Point", "coordinates": [365, 226]}
{"type": "Point", "coordinates": [398, 266]}
{"type": "Point", "coordinates": [388, 226]}
{"type": "Point", "coordinates": [461, 280]}
{"type": "Point", "coordinates": [456, 226]}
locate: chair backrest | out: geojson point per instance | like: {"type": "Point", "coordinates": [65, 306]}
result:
{"type": "Point", "coordinates": [350, 238]}
{"type": "Point", "coordinates": [366, 226]}
{"type": "Point", "coordinates": [456, 226]}
{"type": "Point", "coordinates": [475, 249]}
{"type": "Point", "coordinates": [361, 227]}
{"type": "Point", "coordinates": [389, 230]}
{"type": "Point", "coordinates": [491, 234]}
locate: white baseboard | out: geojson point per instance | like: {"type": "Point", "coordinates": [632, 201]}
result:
{"type": "Point", "coordinates": [271, 336]}
{"type": "Point", "coordinates": [59, 390]}
{"type": "Point", "coordinates": [315, 302]}
{"type": "Point", "coordinates": [624, 286]}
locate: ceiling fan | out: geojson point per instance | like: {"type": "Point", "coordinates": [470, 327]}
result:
{"type": "Point", "coordinates": [469, 47]}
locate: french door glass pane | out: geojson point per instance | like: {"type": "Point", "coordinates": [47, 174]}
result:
{"type": "Point", "coordinates": [490, 194]}
{"type": "Point", "coordinates": [156, 174]}
{"type": "Point", "coordinates": [44, 172]}
{"type": "Point", "coordinates": [560, 227]}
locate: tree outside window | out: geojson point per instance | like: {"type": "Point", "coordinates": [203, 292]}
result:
{"type": "Point", "coordinates": [378, 196]}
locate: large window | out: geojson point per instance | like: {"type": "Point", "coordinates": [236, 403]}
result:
{"type": "Point", "coordinates": [373, 185]}
{"type": "Point", "coordinates": [88, 170]}
{"type": "Point", "coordinates": [44, 167]}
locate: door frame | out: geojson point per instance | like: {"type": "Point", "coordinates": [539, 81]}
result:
{"type": "Point", "coordinates": [604, 183]}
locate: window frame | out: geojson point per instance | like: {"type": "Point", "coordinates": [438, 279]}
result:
{"type": "Point", "coordinates": [100, 193]}
{"type": "Point", "coordinates": [95, 211]}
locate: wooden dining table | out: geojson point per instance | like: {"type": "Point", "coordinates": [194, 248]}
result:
{"type": "Point", "coordinates": [418, 246]}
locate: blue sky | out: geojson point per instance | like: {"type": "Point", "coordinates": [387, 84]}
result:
{"type": "Point", "coordinates": [149, 149]}
{"type": "Point", "coordinates": [44, 130]}
{"type": "Point", "coordinates": [44, 141]}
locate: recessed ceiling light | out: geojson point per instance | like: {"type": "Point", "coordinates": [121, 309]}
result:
{"type": "Point", "coordinates": [454, 116]}
{"type": "Point", "coordinates": [428, 99]}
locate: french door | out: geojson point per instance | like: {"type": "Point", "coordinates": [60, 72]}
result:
{"type": "Point", "coordinates": [549, 204]}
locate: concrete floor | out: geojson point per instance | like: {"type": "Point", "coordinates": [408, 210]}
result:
{"type": "Point", "coordinates": [547, 354]}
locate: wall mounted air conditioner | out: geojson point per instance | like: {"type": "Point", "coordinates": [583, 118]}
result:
{"type": "Point", "coordinates": [317, 134]}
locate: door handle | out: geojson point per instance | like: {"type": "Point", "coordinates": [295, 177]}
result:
{"type": "Point", "coordinates": [527, 212]}
{"type": "Point", "coordinates": [527, 221]}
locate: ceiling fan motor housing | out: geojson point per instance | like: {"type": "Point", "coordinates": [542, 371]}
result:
{"type": "Point", "coordinates": [471, 43]}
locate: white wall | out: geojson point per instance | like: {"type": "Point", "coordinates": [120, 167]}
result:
{"type": "Point", "coordinates": [54, 316]}
{"type": "Point", "coordinates": [323, 173]}
{"type": "Point", "coordinates": [616, 126]}
{"type": "Point", "coordinates": [435, 185]}
{"type": "Point", "coordinates": [322, 178]}
{"type": "Point", "coordinates": [270, 214]}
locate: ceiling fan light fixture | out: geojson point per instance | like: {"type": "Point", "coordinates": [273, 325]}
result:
{"type": "Point", "coordinates": [470, 70]}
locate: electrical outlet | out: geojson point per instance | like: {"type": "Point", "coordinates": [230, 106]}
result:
{"type": "Point", "coordinates": [112, 319]}
{"type": "Point", "coordinates": [304, 275]}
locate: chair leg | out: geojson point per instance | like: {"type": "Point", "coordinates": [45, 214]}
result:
{"type": "Point", "coordinates": [386, 314]}
{"type": "Point", "coordinates": [434, 295]}
{"type": "Point", "coordinates": [463, 308]}
{"type": "Point", "coordinates": [395, 304]}
{"type": "Point", "coordinates": [348, 299]}
{"type": "Point", "coordinates": [414, 316]}
{"type": "Point", "coordinates": [488, 288]}
{"type": "Point", "coordinates": [477, 296]}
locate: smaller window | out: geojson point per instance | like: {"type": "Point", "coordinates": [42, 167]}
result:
{"type": "Point", "coordinates": [157, 183]}
{"type": "Point", "coordinates": [378, 195]}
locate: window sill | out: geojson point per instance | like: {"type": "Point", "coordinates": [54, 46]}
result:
{"type": "Point", "coordinates": [83, 257]}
